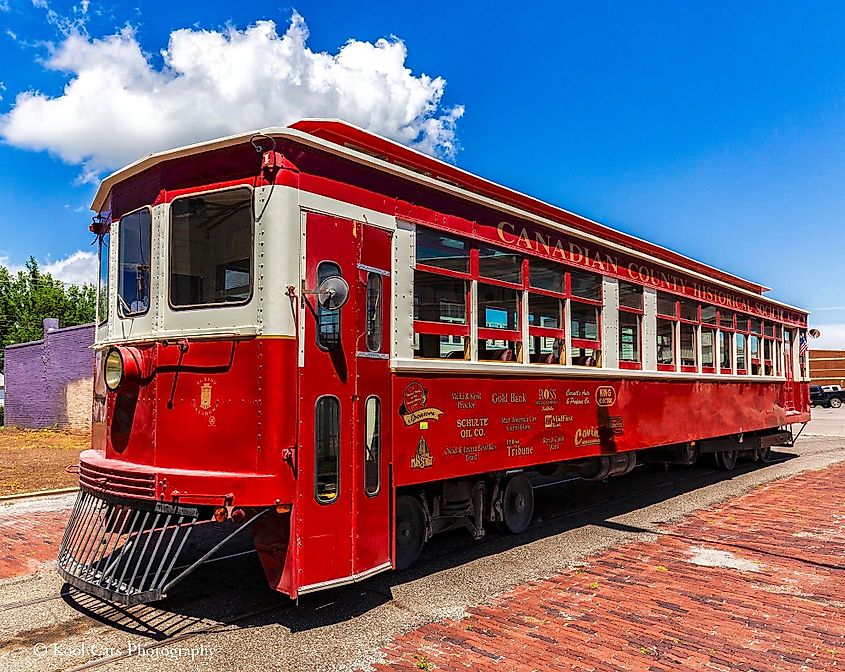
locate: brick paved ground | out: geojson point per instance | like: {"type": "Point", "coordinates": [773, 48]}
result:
{"type": "Point", "coordinates": [29, 536]}
{"type": "Point", "coordinates": [755, 584]}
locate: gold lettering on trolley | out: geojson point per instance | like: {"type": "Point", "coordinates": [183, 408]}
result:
{"type": "Point", "coordinates": [587, 437]}
{"type": "Point", "coordinates": [515, 449]}
{"type": "Point", "coordinates": [605, 395]}
{"type": "Point", "coordinates": [422, 459]}
{"type": "Point", "coordinates": [470, 453]}
{"type": "Point", "coordinates": [600, 260]}
{"type": "Point", "coordinates": [422, 414]}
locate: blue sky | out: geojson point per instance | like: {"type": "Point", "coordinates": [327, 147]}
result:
{"type": "Point", "coordinates": [716, 131]}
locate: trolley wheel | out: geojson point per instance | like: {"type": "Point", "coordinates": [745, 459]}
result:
{"type": "Point", "coordinates": [410, 530]}
{"type": "Point", "coordinates": [836, 402]}
{"type": "Point", "coordinates": [726, 459]}
{"type": "Point", "coordinates": [517, 505]}
{"type": "Point", "coordinates": [764, 455]}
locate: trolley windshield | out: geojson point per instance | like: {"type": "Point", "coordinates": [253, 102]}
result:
{"type": "Point", "coordinates": [211, 249]}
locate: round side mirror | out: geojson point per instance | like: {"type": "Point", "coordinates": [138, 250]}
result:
{"type": "Point", "coordinates": [814, 333]}
{"type": "Point", "coordinates": [333, 292]}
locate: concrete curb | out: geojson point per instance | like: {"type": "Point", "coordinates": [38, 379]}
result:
{"type": "Point", "coordinates": [35, 495]}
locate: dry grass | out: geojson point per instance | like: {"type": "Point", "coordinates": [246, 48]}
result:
{"type": "Point", "coordinates": [35, 459]}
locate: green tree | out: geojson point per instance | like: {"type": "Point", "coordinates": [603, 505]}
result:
{"type": "Point", "coordinates": [30, 296]}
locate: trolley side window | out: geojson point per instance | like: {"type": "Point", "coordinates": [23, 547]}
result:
{"type": "Point", "coordinates": [133, 267]}
{"type": "Point", "coordinates": [499, 327]}
{"type": "Point", "coordinates": [725, 350]}
{"type": "Point", "coordinates": [740, 353]}
{"type": "Point", "coordinates": [630, 324]}
{"type": "Point", "coordinates": [326, 449]}
{"type": "Point", "coordinates": [441, 326]}
{"type": "Point", "coordinates": [545, 329]}
{"type": "Point", "coordinates": [211, 249]}
{"type": "Point", "coordinates": [667, 329]}
{"type": "Point", "coordinates": [584, 311]}
{"type": "Point", "coordinates": [708, 349]}
{"type": "Point", "coordinates": [688, 347]}
{"type": "Point", "coordinates": [441, 292]}
{"type": "Point", "coordinates": [103, 284]}
{"type": "Point", "coordinates": [328, 321]}
{"type": "Point", "coordinates": [374, 312]}
{"type": "Point", "coordinates": [665, 343]}
{"type": "Point", "coordinates": [372, 446]}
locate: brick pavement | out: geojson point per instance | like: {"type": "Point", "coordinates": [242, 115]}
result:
{"type": "Point", "coordinates": [29, 538]}
{"type": "Point", "coordinates": [757, 583]}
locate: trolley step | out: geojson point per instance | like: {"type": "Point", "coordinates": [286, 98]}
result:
{"type": "Point", "coordinates": [123, 550]}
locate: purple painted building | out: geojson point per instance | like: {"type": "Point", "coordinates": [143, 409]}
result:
{"type": "Point", "coordinates": [49, 382]}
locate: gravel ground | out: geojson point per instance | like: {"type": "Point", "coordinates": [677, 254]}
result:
{"type": "Point", "coordinates": [36, 459]}
{"type": "Point", "coordinates": [240, 624]}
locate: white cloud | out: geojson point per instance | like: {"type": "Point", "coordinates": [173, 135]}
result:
{"type": "Point", "coordinates": [832, 338]}
{"type": "Point", "coordinates": [4, 5]}
{"type": "Point", "coordinates": [5, 261]}
{"type": "Point", "coordinates": [76, 269]}
{"type": "Point", "coordinates": [117, 106]}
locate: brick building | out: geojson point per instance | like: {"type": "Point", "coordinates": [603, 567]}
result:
{"type": "Point", "coordinates": [49, 382]}
{"type": "Point", "coordinates": [827, 367]}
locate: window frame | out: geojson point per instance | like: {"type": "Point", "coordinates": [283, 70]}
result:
{"type": "Point", "coordinates": [168, 272]}
{"type": "Point", "coordinates": [741, 371]}
{"type": "Point", "coordinates": [696, 324]}
{"type": "Point", "coordinates": [379, 315]}
{"type": "Point", "coordinates": [640, 313]}
{"type": "Point", "coordinates": [540, 332]}
{"type": "Point", "coordinates": [724, 336]}
{"type": "Point", "coordinates": [585, 343]}
{"type": "Point", "coordinates": [729, 331]}
{"type": "Point", "coordinates": [688, 368]}
{"type": "Point", "coordinates": [432, 328]}
{"type": "Point", "coordinates": [742, 328]}
{"type": "Point", "coordinates": [520, 338]}
{"type": "Point", "coordinates": [673, 365]}
{"type": "Point", "coordinates": [103, 296]}
{"type": "Point", "coordinates": [318, 308]}
{"type": "Point", "coordinates": [379, 451]}
{"type": "Point", "coordinates": [674, 319]}
{"type": "Point", "coordinates": [120, 313]}
{"type": "Point", "coordinates": [337, 456]}
{"type": "Point", "coordinates": [689, 315]}
{"type": "Point", "coordinates": [709, 328]}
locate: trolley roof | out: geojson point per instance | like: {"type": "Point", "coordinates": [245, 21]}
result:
{"type": "Point", "coordinates": [356, 144]}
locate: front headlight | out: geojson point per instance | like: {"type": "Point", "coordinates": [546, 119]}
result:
{"type": "Point", "coordinates": [113, 369]}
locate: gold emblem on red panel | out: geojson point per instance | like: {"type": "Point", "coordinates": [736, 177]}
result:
{"type": "Point", "coordinates": [205, 403]}
{"type": "Point", "coordinates": [205, 396]}
{"type": "Point", "coordinates": [413, 408]}
{"type": "Point", "coordinates": [423, 458]}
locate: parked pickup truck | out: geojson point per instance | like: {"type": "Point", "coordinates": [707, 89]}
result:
{"type": "Point", "coordinates": [829, 396]}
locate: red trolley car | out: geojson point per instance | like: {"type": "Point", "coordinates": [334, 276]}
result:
{"type": "Point", "coordinates": [345, 346]}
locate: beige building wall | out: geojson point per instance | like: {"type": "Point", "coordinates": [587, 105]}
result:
{"type": "Point", "coordinates": [78, 400]}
